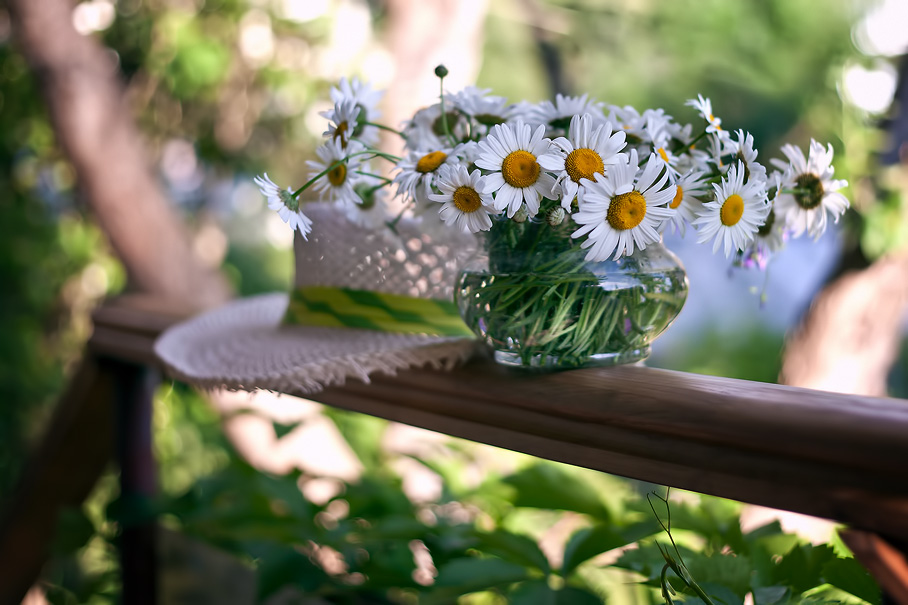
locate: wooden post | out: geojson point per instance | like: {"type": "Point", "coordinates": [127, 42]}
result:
{"type": "Point", "coordinates": [135, 385]}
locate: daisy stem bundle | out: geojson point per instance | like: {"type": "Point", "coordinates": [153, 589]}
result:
{"type": "Point", "coordinates": [540, 300]}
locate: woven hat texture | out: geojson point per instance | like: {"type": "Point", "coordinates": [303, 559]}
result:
{"type": "Point", "coordinates": [247, 345]}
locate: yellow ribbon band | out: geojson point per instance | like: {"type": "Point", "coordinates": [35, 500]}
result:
{"type": "Point", "coordinates": [348, 308]}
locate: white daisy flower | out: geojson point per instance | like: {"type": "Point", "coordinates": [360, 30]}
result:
{"type": "Point", "coordinates": [465, 203]}
{"type": "Point", "coordinates": [588, 148]}
{"type": "Point", "coordinates": [512, 152]}
{"type": "Point", "coordinates": [687, 200]}
{"type": "Point", "coordinates": [743, 150]}
{"type": "Point", "coordinates": [736, 213]}
{"type": "Point", "coordinates": [690, 159]}
{"type": "Point", "coordinates": [367, 100]}
{"type": "Point", "coordinates": [557, 115]}
{"type": "Point", "coordinates": [286, 206]}
{"type": "Point", "coordinates": [705, 108]}
{"type": "Point", "coordinates": [337, 184]}
{"type": "Point", "coordinates": [769, 239]}
{"type": "Point", "coordinates": [373, 212]}
{"type": "Point", "coordinates": [488, 110]}
{"type": "Point", "coordinates": [672, 161]}
{"type": "Point", "coordinates": [633, 124]}
{"type": "Point", "coordinates": [468, 153]}
{"type": "Point", "coordinates": [343, 121]}
{"type": "Point", "coordinates": [657, 127]}
{"type": "Point", "coordinates": [427, 131]}
{"type": "Point", "coordinates": [523, 111]}
{"type": "Point", "coordinates": [815, 193]}
{"type": "Point", "coordinates": [418, 169]}
{"type": "Point", "coordinates": [359, 91]}
{"type": "Point", "coordinates": [623, 210]}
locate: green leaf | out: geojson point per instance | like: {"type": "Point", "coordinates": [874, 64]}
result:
{"type": "Point", "coordinates": [472, 574]}
{"type": "Point", "coordinates": [850, 576]}
{"type": "Point", "coordinates": [587, 543]}
{"type": "Point", "coordinates": [802, 567]}
{"type": "Point", "coordinates": [771, 595]}
{"type": "Point", "coordinates": [732, 572]}
{"type": "Point", "coordinates": [646, 560]}
{"type": "Point", "coordinates": [513, 547]}
{"type": "Point", "coordinates": [538, 592]}
{"type": "Point", "coordinates": [550, 486]}
{"type": "Point", "coordinates": [720, 595]}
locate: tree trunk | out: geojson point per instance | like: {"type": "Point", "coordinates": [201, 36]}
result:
{"type": "Point", "coordinates": [420, 36]}
{"type": "Point", "coordinates": [851, 336]}
{"type": "Point", "coordinates": [93, 125]}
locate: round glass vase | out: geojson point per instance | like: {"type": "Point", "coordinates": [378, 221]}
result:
{"type": "Point", "coordinates": [531, 296]}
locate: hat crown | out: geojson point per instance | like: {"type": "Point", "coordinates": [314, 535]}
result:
{"type": "Point", "coordinates": [411, 260]}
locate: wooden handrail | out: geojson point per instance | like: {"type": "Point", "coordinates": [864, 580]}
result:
{"type": "Point", "coordinates": [830, 455]}
{"type": "Point", "coordinates": [842, 457]}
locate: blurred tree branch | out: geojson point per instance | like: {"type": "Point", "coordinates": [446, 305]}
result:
{"type": "Point", "coordinates": [93, 125]}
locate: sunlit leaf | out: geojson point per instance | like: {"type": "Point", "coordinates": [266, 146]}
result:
{"type": "Point", "coordinates": [552, 487]}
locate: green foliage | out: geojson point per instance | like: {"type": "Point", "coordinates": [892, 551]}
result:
{"type": "Point", "coordinates": [752, 353]}
{"type": "Point", "coordinates": [53, 267]}
{"type": "Point", "coordinates": [773, 566]}
{"type": "Point", "coordinates": [549, 486]}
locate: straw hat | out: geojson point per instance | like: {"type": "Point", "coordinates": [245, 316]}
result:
{"type": "Point", "coordinates": [364, 301]}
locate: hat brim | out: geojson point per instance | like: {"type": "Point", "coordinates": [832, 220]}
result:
{"type": "Point", "coordinates": [244, 346]}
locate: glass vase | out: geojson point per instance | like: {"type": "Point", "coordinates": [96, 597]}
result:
{"type": "Point", "coordinates": [531, 296]}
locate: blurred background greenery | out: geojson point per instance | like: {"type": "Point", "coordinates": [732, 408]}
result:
{"type": "Point", "coordinates": [225, 89]}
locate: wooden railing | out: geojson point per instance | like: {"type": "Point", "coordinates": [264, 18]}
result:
{"type": "Point", "coordinates": [837, 456]}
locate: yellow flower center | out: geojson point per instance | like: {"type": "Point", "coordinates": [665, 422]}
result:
{"type": "Point", "coordinates": [466, 199]}
{"type": "Point", "coordinates": [431, 161]}
{"type": "Point", "coordinates": [583, 164]}
{"type": "Point", "coordinates": [337, 175]}
{"type": "Point", "coordinates": [626, 210]}
{"type": "Point", "coordinates": [520, 169]}
{"type": "Point", "coordinates": [341, 133]}
{"type": "Point", "coordinates": [679, 196]}
{"type": "Point", "coordinates": [732, 210]}
{"type": "Point", "coordinates": [663, 154]}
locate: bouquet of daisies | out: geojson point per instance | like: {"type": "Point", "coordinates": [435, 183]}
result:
{"type": "Point", "coordinates": [617, 176]}
{"type": "Point", "coordinates": [559, 187]}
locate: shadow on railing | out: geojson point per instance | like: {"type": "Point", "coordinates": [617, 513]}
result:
{"type": "Point", "coordinates": [836, 456]}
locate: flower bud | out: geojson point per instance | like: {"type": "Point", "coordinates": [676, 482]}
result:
{"type": "Point", "coordinates": [289, 200]}
{"type": "Point", "coordinates": [555, 216]}
{"type": "Point", "coordinates": [441, 71]}
{"type": "Point", "coordinates": [521, 215]}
